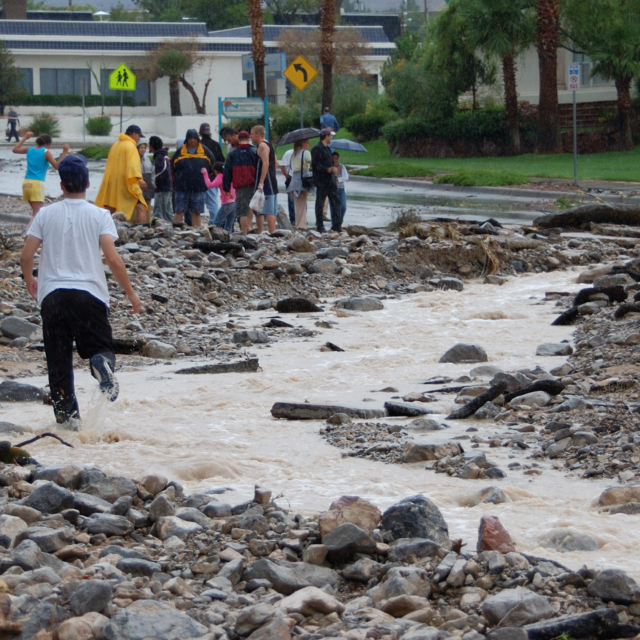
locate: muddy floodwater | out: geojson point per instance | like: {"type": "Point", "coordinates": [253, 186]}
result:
{"type": "Point", "coordinates": [214, 431]}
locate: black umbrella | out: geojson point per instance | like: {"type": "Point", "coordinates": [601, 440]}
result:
{"type": "Point", "coordinates": [297, 135]}
{"type": "Point", "coordinates": [347, 145]}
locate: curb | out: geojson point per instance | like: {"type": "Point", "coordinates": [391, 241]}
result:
{"type": "Point", "coordinates": [498, 191]}
{"type": "Point", "coordinates": [14, 217]}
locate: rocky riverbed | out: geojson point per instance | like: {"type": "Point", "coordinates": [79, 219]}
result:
{"type": "Point", "coordinates": [338, 313]}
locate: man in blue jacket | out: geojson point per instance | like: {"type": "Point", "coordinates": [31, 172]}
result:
{"type": "Point", "coordinates": [329, 121]}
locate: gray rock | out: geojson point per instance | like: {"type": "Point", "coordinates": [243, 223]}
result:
{"type": "Point", "coordinates": [402, 581]}
{"type": "Point", "coordinates": [138, 567]}
{"type": "Point", "coordinates": [516, 607]}
{"type": "Point", "coordinates": [168, 526]}
{"type": "Point", "coordinates": [51, 540]}
{"type": "Point", "coordinates": [454, 284]}
{"type": "Point", "coordinates": [484, 371]}
{"type": "Point", "coordinates": [346, 540]}
{"type": "Point", "coordinates": [487, 412]}
{"type": "Point", "coordinates": [91, 595]}
{"type": "Point", "coordinates": [412, 549]}
{"type": "Point", "coordinates": [190, 514]}
{"type": "Point", "coordinates": [425, 424]}
{"type": "Point", "coordinates": [27, 555]}
{"type": "Point", "coordinates": [9, 427]}
{"type": "Point", "coordinates": [425, 633]}
{"type": "Point", "coordinates": [616, 585]}
{"type": "Point", "coordinates": [360, 304]}
{"type": "Point", "coordinates": [65, 475]}
{"type": "Point", "coordinates": [512, 382]}
{"type": "Point", "coordinates": [154, 483]}
{"type": "Point", "coordinates": [217, 509]}
{"type": "Point", "coordinates": [508, 633]}
{"type": "Point", "coordinates": [290, 576]}
{"type": "Point", "coordinates": [50, 498]}
{"type": "Point", "coordinates": [554, 349]}
{"type": "Point", "coordinates": [109, 524]}
{"type": "Point", "coordinates": [14, 327]}
{"type": "Point", "coordinates": [333, 252]}
{"type": "Point", "coordinates": [410, 409]}
{"type": "Point", "coordinates": [121, 551]}
{"type": "Point", "coordinates": [592, 624]}
{"type": "Point", "coordinates": [465, 353]}
{"type": "Point", "coordinates": [12, 529]}
{"type": "Point", "coordinates": [251, 335]}
{"type": "Point", "coordinates": [583, 438]}
{"type": "Point", "coordinates": [308, 411]}
{"type": "Point", "coordinates": [161, 506]}
{"type": "Point", "coordinates": [416, 517]}
{"type": "Point", "coordinates": [612, 280]}
{"type": "Point", "coordinates": [11, 391]}
{"type": "Point", "coordinates": [35, 615]}
{"type": "Point", "coordinates": [232, 571]}
{"type": "Point", "coordinates": [277, 629]}
{"type": "Point", "coordinates": [112, 488]}
{"type": "Point", "coordinates": [254, 617]}
{"type": "Point", "coordinates": [159, 350]}
{"type": "Point", "coordinates": [150, 619]}
{"type": "Point", "coordinates": [297, 305]}
{"type": "Point", "coordinates": [121, 506]}
{"type": "Point", "coordinates": [572, 403]}
{"type": "Point", "coordinates": [324, 266]}
{"type": "Point", "coordinates": [362, 571]}
{"type": "Point", "coordinates": [87, 504]}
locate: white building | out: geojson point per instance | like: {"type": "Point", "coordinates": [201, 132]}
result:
{"type": "Point", "coordinates": [55, 57]}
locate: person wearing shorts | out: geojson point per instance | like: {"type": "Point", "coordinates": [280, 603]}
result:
{"type": "Point", "coordinates": [267, 180]}
{"type": "Point", "coordinates": [191, 190]}
{"type": "Point", "coordinates": [38, 160]}
{"type": "Point", "coordinates": [240, 170]}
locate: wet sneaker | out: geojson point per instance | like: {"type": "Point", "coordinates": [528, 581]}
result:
{"type": "Point", "coordinates": [102, 372]}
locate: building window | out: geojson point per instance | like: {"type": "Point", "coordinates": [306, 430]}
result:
{"type": "Point", "coordinates": [56, 82]}
{"type": "Point", "coordinates": [26, 82]}
{"type": "Point", "coordinates": [586, 65]}
{"type": "Point", "coordinates": [141, 96]}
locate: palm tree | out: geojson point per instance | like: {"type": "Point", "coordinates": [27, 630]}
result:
{"type": "Point", "coordinates": [608, 31]}
{"type": "Point", "coordinates": [327, 53]}
{"type": "Point", "coordinates": [173, 63]}
{"type": "Point", "coordinates": [502, 29]}
{"type": "Point", "coordinates": [547, 24]}
{"type": "Point", "coordinates": [254, 13]}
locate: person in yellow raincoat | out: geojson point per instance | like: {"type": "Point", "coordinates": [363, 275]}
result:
{"type": "Point", "coordinates": [122, 184]}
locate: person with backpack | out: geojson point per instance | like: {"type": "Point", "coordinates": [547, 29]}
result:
{"type": "Point", "coordinates": [163, 200]}
{"type": "Point", "coordinates": [240, 170]}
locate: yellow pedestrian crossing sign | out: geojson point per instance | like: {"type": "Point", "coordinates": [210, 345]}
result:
{"type": "Point", "coordinates": [122, 79]}
{"type": "Point", "coordinates": [300, 73]}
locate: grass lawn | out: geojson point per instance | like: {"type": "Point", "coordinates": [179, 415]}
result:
{"type": "Point", "coordinates": [96, 152]}
{"type": "Point", "coordinates": [614, 165]}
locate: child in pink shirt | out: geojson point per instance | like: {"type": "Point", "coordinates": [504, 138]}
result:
{"type": "Point", "coordinates": [226, 216]}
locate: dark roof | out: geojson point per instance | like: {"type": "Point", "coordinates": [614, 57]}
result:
{"type": "Point", "coordinates": [102, 29]}
{"type": "Point", "coordinates": [271, 33]}
{"type": "Point", "coordinates": [67, 16]}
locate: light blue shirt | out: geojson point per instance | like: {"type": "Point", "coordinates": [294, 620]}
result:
{"type": "Point", "coordinates": [329, 120]}
{"type": "Point", "coordinates": [37, 164]}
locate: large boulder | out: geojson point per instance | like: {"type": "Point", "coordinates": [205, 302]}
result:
{"type": "Point", "coordinates": [360, 304]}
{"type": "Point", "coordinates": [310, 601]}
{"type": "Point", "coordinates": [11, 391]}
{"type": "Point", "coordinates": [112, 488]}
{"type": "Point", "coordinates": [351, 509]}
{"type": "Point", "coordinates": [417, 452]}
{"type": "Point", "coordinates": [150, 619]}
{"type": "Point", "coordinates": [554, 349]}
{"type": "Point", "coordinates": [50, 498]}
{"type": "Point", "coordinates": [14, 327]}
{"type": "Point", "coordinates": [616, 585]}
{"type": "Point", "coordinates": [12, 528]}
{"type": "Point", "coordinates": [465, 353]}
{"type": "Point", "coordinates": [346, 540]}
{"type": "Point", "coordinates": [516, 607]}
{"type": "Point", "coordinates": [566, 540]}
{"type": "Point", "coordinates": [492, 536]}
{"type": "Point", "coordinates": [619, 495]}
{"type": "Point", "coordinates": [90, 595]}
{"type": "Point", "coordinates": [592, 624]}
{"type": "Point", "coordinates": [289, 577]}
{"type": "Point", "coordinates": [402, 581]}
{"type": "Point", "coordinates": [416, 517]}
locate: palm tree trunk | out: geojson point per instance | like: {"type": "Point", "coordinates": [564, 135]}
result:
{"type": "Point", "coordinates": [254, 13]}
{"type": "Point", "coordinates": [623, 86]}
{"type": "Point", "coordinates": [511, 103]}
{"type": "Point", "coordinates": [327, 53]}
{"type": "Point", "coordinates": [549, 139]}
{"type": "Point", "coordinates": [174, 95]}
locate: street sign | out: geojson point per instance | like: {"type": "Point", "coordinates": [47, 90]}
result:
{"type": "Point", "coordinates": [300, 73]}
{"type": "Point", "coordinates": [574, 81]}
{"type": "Point", "coordinates": [243, 107]}
{"type": "Point", "coordinates": [122, 79]}
{"type": "Point", "coordinates": [275, 64]}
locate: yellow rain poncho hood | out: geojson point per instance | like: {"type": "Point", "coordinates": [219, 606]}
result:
{"type": "Point", "coordinates": [120, 189]}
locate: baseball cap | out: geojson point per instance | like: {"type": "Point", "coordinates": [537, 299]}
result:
{"type": "Point", "coordinates": [134, 128]}
{"type": "Point", "coordinates": [326, 131]}
{"type": "Point", "coordinates": [205, 128]}
{"type": "Point", "coordinates": [243, 134]}
{"type": "Point", "coordinates": [73, 172]}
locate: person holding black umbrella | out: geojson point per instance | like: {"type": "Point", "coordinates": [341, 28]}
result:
{"type": "Point", "coordinates": [325, 178]}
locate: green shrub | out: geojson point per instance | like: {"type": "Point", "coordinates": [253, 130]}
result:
{"type": "Point", "coordinates": [366, 127]}
{"type": "Point", "coordinates": [46, 100]}
{"type": "Point", "coordinates": [472, 126]}
{"type": "Point", "coordinates": [100, 126]}
{"type": "Point", "coordinates": [403, 219]}
{"type": "Point", "coordinates": [482, 178]}
{"type": "Point", "coordinates": [45, 123]}
{"type": "Point", "coordinates": [394, 170]}
{"type": "Point", "coordinates": [288, 119]}
{"type": "Point", "coordinates": [95, 152]}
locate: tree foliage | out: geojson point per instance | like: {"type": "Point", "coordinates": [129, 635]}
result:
{"type": "Point", "coordinates": [608, 31]}
{"type": "Point", "coordinates": [217, 14]}
{"type": "Point", "coordinates": [286, 11]}
{"type": "Point", "coordinates": [10, 79]}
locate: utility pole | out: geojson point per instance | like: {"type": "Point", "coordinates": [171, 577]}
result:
{"type": "Point", "coordinates": [426, 11]}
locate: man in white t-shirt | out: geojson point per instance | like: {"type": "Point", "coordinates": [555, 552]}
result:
{"type": "Point", "coordinates": [71, 287]}
{"type": "Point", "coordinates": [285, 167]}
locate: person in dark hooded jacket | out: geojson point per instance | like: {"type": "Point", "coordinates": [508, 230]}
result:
{"type": "Point", "coordinates": [163, 176]}
{"type": "Point", "coordinates": [188, 162]}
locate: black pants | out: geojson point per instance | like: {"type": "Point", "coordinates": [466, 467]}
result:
{"type": "Point", "coordinates": [324, 191]}
{"type": "Point", "coordinates": [13, 132]}
{"type": "Point", "coordinates": [68, 315]}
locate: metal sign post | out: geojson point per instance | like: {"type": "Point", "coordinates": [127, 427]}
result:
{"type": "Point", "coordinates": [300, 73]}
{"type": "Point", "coordinates": [122, 79]}
{"type": "Point", "coordinates": [574, 84]}
{"type": "Point", "coordinates": [83, 91]}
